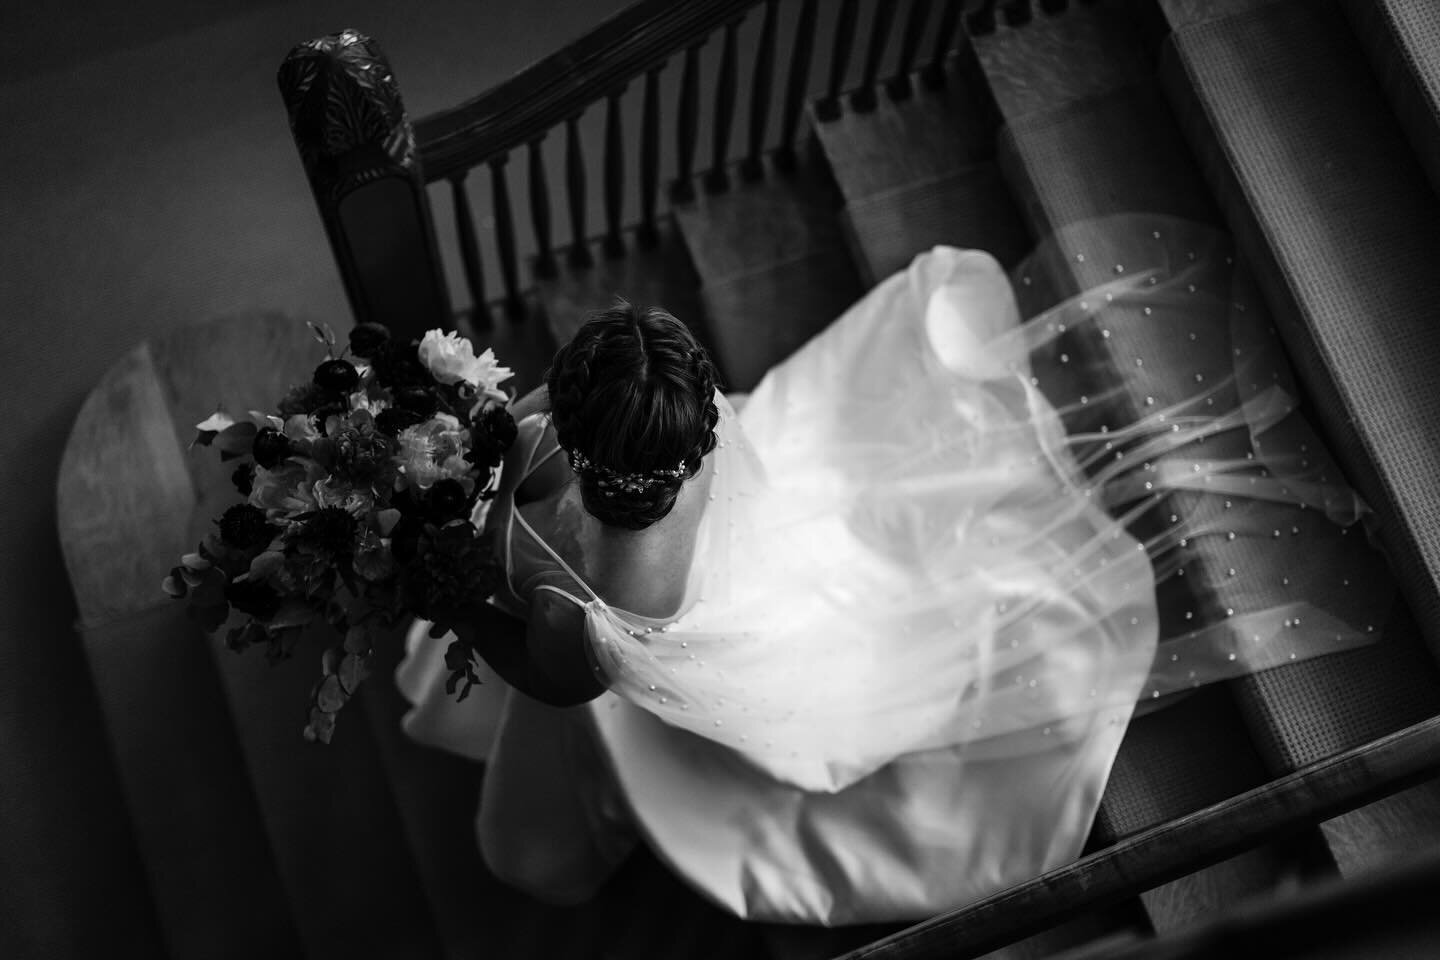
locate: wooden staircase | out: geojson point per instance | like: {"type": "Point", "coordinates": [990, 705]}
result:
{"type": "Point", "coordinates": [1308, 130]}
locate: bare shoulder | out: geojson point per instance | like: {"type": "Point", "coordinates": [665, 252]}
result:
{"type": "Point", "coordinates": [646, 571]}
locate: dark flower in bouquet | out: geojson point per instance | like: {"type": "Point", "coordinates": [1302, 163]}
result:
{"type": "Point", "coordinates": [364, 495]}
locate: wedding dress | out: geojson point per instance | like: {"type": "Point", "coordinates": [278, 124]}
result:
{"type": "Point", "coordinates": [917, 622]}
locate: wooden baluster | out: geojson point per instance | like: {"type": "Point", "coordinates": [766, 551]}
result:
{"type": "Point", "coordinates": [718, 179]}
{"type": "Point", "coordinates": [614, 176]}
{"type": "Point", "coordinates": [828, 107]}
{"type": "Point", "coordinates": [934, 72]}
{"type": "Point", "coordinates": [753, 167]}
{"type": "Point", "coordinates": [863, 99]}
{"type": "Point", "coordinates": [1018, 12]}
{"type": "Point", "coordinates": [540, 211]}
{"type": "Point", "coordinates": [797, 86]}
{"type": "Point", "coordinates": [505, 236]}
{"type": "Point", "coordinates": [649, 232]}
{"type": "Point", "coordinates": [575, 189]}
{"type": "Point", "coordinates": [687, 127]}
{"type": "Point", "coordinates": [469, 249]}
{"type": "Point", "coordinates": [982, 21]}
{"type": "Point", "coordinates": [899, 85]}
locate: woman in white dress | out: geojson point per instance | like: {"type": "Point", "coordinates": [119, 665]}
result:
{"type": "Point", "coordinates": [865, 649]}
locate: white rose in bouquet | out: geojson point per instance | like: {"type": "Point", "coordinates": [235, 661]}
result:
{"type": "Point", "coordinates": [450, 359]}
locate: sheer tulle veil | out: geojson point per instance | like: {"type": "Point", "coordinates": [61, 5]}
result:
{"type": "Point", "coordinates": [1008, 539]}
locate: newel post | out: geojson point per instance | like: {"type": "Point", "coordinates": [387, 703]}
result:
{"type": "Point", "coordinates": [358, 149]}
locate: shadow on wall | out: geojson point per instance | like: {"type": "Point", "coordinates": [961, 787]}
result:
{"type": "Point", "coordinates": [149, 181]}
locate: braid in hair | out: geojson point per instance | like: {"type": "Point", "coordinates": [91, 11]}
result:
{"type": "Point", "coordinates": [632, 398]}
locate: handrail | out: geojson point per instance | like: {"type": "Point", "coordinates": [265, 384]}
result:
{"type": "Point", "coordinates": [1309, 795]}
{"type": "Point", "coordinates": [553, 89]}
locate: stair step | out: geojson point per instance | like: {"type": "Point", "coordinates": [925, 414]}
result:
{"type": "Point", "coordinates": [1177, 760]}
{"type": "Point", "coordinates": [970, 207]}
{"type": "Point", "coordinates": [337, 837]}
{"type": "Point", "coordinates": [434, 793]}
{"type": "Point", "coordinates": [1097, 154]}
{"type": "Point", "coordinates": [1182, 13]}
{"type": "Point", "coordinates": [658, 275]}
{"type": "Point", "coordinates": [918, 172]}
{"type": "Point", "coordinates": [1324, 195]}
{"type": "Point", "coordinates": [1325, 199]}
{"type": "Point", "coordinates": [1119, 152]}
{"type": "Point", "coordinates": [925, 136]}
{"type": "Point", "coordinates": [772, 266]}
{"type": "Point", "coordinates": [1088, 50]}
{"type": "Point", "coordinates": [1402, 38]}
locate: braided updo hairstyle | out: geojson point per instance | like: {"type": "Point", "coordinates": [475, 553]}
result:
{"type": "Point", "coordinates": [633, 393]}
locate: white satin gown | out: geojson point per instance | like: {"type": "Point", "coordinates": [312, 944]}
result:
{"type": "Point", "coordinates": [913, 634]}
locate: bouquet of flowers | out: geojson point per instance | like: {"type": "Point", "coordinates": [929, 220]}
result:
{"type": "Point", "coordinates": [364, 493]}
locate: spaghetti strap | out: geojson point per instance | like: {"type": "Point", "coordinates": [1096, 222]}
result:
{"type": "Point", "coordinates": [564, 593]}
{"type": "Point", "coordinates": [569, 572]}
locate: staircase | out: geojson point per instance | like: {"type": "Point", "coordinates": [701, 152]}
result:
{"type": "Point", "coordinates": [1120, 107]}
{"type": "Point", "coordinates": [1309, 130]}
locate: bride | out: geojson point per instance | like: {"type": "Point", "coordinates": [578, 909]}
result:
{"type": "Point", "coordinates": [864, 646]}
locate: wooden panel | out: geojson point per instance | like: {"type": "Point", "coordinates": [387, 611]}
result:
{"type": "Point", "coordinates": [124, 497]}
{"type": "Point", "coordinates": [195, 816]}
{"type": "Point", "coordinates": [125, 502]}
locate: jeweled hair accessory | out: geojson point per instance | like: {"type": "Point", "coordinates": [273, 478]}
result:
{"type": "Point", "coordinates": [612, 482]}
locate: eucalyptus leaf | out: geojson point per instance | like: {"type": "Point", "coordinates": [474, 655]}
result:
{"type": "Point", "coordinates": [331, 696]}
{"type": "Point", "coordinates": [358, 638]}
{"type": "Point", "coordinates": [266, 564]}
{"type": "Point", "coordinates": [293, 613]}
{"type": "Point", "coordinates": [237, 439]}
{"type": "Point", "coordinates": [330, 660]}
{"type": "Point", "coordinates": [353, 671]}
{"type": "Point", "coordinates": [195, 561]}
{"type": "Point", "coordinates": [174, 584]}
{"type": "Point", "coordinates": [321, 726]}
{"type": "Point", "coordinates": [385, 520]}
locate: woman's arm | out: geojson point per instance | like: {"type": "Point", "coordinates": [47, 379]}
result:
{"type": "Point", "coordinates": [545, 660]}
{"type": "Point", "coordinates": [536, 401]}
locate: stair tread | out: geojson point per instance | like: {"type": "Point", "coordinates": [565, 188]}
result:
{"type": "Point", "coordinates": [925, 136]}
{"type": "Point", "coordinates": [1087, 51]}
{"type": "Point", "coordinates": [1323, 192]}
{"type": "Point", "coordinates": [757, 320]}
{"type": "Point", "coordinates": [772, 267]}
{"type": "Point", "coordinates": [1326, 200]}
{"type": "Point", "coordinates": [969, 207]}
{"type": "Point", "coordinates": [1119, 152]}
{"type": "Point", "coordinates": [754, 226]}
{"type": "Point", "coordinates": [1403, 40]}
{"type": "Point", "coordinates": [1173, 762]}
{"type": "Point", "coordinates": [1106, 145]}
{"type": "Point", "coordinates": [314, 807]}
{"type": "Point", "coordinates": [660, 275]}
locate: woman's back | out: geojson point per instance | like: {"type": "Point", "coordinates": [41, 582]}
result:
{"type": "Point", "coordinates": [640, 571]}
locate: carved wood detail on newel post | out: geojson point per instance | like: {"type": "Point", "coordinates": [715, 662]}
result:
{"type": "Point", "coordinates": [358, 149]}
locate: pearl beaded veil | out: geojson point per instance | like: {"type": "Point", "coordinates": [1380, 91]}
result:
{"type": "Point", "coordinates": [978, 535]}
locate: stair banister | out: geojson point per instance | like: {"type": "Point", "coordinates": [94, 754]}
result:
{"type": "Point", "coordinates": [1309, 795]}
